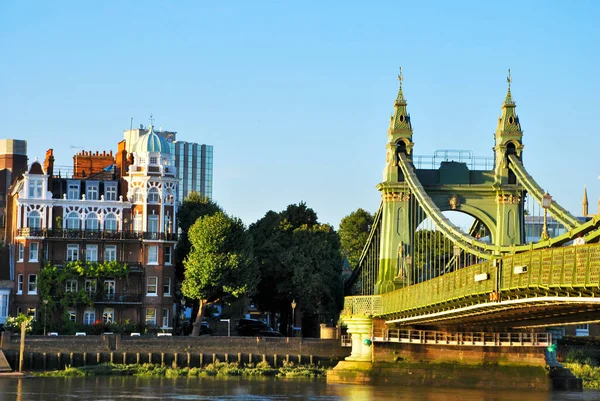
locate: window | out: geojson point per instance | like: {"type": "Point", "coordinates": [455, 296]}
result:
{"type": "Point", "coordinates": [92, 191]}
{"type": "Point", "coordinates": [34, 220]}
{"type": "Point", "coordinates": [150, 316]}
{"type": "Point", "coordinates": [108, 315]}
{"type": "Point", "coordinates": [109, 288]}
{"type": "Point", "coordinates": [153, 255]}
{"type": "Point", "coordinates": [33, 251]}
{"type": "Point", "coordinates": [582, 330]}
{"type": "Point", "coordinates": [73, 221]}
{"type": "Point", "coordinates": [153, 195]}
{"type": "Point", "coordinates": [72, 252]}
{"type": "Point", "coordinates": [137, 223]}
{"type": "Point", "coordinates": [73, 190]}
{"type": "Point", "coordinates": [3, 307]}
{"type": "Point", "coordinates": [31, 312]}
{"type": "Point", "coordinates": [110, 192]}
{"type": "Point", "coordinates": [167, 287]}
{"type": "Point", "coordinates": [20, 284]}
{"type": "Point", "coordinates": [91, 222]}
{"type": "Point", "coordinates": [165, 318]}
{"type": "Point", "coordinates": [110, 253]}
{"type": "Point", "coordinates": [137, 195]}
{"type": "Point", "coordinates": [153, 160]}
{"type": "Point", "coordinates": [91, 253]}
{"type": "Point", "coordinates": [71, 286]}
{"type": "Point", "coordinates": [90, 287]}
{"type": "Point", "coordinates": [152, 286]}
{"type": "Point", "coordinates": [35, 189]}
{"type": "Point", "coordinates": [89, 316]}
{"type": "Point", "coordinates": [72, 315]}
{"type": "Point", "coordinates": [168, 253]}
{"type": "Point", "coordinates": [110, 222]}
{"type": "Point", "coordinates": [153, 223]}
{"type": "Point", "coordinates": [32, 284]}
{"type": "Point", "coordinates": [21, 254]}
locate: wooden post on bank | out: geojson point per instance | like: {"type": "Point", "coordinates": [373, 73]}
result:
{"type": "Point", "coordinates": [22, 347]}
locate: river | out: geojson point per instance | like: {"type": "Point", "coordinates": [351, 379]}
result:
{"type": "Point", "coordinates": [236, 389]}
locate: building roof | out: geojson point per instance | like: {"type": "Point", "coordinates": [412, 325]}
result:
{"type": "Point", "coordinates": [151, 143]}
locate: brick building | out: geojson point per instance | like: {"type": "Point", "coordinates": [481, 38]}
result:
{"type": "Point", "coordinates": [120, 212]}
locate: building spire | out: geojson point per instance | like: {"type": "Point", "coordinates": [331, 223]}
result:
{"type": "Point", "coordinates": [584, 203]}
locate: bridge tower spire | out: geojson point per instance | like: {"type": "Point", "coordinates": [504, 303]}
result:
{"type": "Point", "coordinates": [399, 136]}
{"type": "Point", "coordinates": [508, 138]}
{"type": "Point", "coordinates": [395, 196]}
{"type": "Point", "coordinates": [509, 197]}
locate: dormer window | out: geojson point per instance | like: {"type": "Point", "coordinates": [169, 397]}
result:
{"type": "Point", "coordinates": [92, 191]}
{"type": "Point", "coordinates": [153, 160]}
{"type": "Point", "coordinates": [35, 189]}
{"type": "Point", "coordinates": [73, 190]}
{"type": "Point", "coordinates": [110, 192]}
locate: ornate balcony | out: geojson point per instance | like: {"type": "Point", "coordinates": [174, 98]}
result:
{"type": "Point", "coordinates": [134, 267]}
{"type": "Point", "coordinates": [96, 234]}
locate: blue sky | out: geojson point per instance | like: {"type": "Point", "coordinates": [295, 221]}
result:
{"type": "Point", "coordinates": [295, 97]}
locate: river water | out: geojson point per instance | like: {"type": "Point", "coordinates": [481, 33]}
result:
{"type": "Point", "coordinates": [208, 389]}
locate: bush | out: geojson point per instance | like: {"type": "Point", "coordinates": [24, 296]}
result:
{"type": "Point", "coordinates": [14, 323]}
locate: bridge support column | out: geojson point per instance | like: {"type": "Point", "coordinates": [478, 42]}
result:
{"type": "Point", "coordinates": [360, 328]}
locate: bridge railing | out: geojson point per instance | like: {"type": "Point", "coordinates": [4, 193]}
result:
{"type": "Point", "coordinates": [362, 305]}
{"type": "Point", "coordinates": [575, 267]}
{"type": "Point", "coordinates": [467, 338]}
{"type": "Point", "coordinates": [471, 281]}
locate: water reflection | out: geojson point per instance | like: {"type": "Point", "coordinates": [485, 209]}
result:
{"type": "Point", "coordinates": [236, 389]}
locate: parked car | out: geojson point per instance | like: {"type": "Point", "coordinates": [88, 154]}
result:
{"type": "Point", "coordinates": [250, 327]}
{"type": "Point", "coordinates": [269, 333]}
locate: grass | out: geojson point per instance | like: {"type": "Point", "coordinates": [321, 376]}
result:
{"type": "Point", "coordinates": [217, 369]}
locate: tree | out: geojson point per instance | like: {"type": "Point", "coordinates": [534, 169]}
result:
{"type": "Point", "coordinates": [191, 209]}
{"type": "Point", "coordinates": [354, 232]}
{"type": "Point", "coordinates": [299, 259]}
{"type": "Point", "coordinates": [220, 263]}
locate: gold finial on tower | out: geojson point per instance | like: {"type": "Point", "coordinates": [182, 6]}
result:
{"type": "Point", "coordinates": [400, 77]}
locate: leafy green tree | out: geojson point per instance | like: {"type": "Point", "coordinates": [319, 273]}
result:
{"type": "Point", "coordinates": [354, 232]}
{"type": "Point", "coordinates": [191, 209]}
{"type": "Point", "coordinates": [220, 263]}
{"type": "Point", "coordinates": [299, 259]}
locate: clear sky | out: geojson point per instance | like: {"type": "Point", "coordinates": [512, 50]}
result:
{"type": "Point", "coordinates": [295, 96]}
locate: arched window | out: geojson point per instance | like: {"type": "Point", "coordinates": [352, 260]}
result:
{"type": "Point", "coordinates": [153, 196]}
{"type": "Point", "coordinates": [91, 222]}
{"type": "Point", "coordinates": [110, 222]}
{"type": "Point", "coordinates": [169, 198]}
{"type": "Point", "coordinates": [34, 220]}
{"type": "Point", "coordinates": [137, 195]}
{"type": "Point", "coordinates": [73, 221]}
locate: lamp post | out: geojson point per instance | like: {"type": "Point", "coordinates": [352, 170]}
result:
{"type": "Point", "coordinates": [546, 203]}
{"type": "Point", "coordinates": [293, 315]}
{"type": "Point", "coordinates": [45, 301]}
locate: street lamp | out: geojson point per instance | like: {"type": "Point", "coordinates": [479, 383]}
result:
{"type": "Point", "coordinates": [546, 203]}
{"type": "Point", "coordinates": [45, 301]}
{"type": "Point", "coordinates": [293, 315]}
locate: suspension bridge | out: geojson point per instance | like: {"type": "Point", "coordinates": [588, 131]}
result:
{"type": "Point", "coordinates": [505, 272]}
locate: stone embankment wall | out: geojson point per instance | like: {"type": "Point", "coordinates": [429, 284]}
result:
{"type": "Point", "coordinates": [471, 355]}
{"type": "Point", "coordinates": [57, 352]}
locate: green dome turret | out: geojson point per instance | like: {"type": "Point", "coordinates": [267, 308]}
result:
{"type": "Point", "coordinates": [151, 143]}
